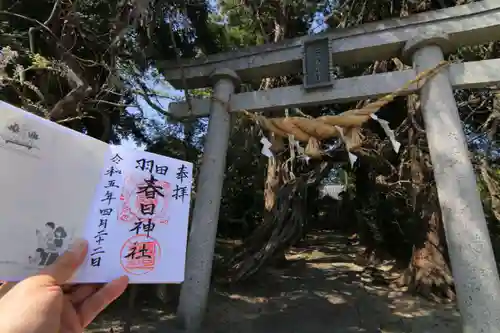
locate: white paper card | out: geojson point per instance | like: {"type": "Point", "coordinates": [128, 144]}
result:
{"type": "Point", "coordinates": [58, 185]}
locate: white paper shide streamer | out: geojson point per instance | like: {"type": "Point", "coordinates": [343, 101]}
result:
{"type": "Point", "coordinates": [266, 147]}
{"type": "Point", "coordinates": [388, 131]}
{"type": "Point", "coordinates": [352, 158]}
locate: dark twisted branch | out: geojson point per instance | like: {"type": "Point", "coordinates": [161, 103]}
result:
{"type": "Point", "coordinates": [283, 230]}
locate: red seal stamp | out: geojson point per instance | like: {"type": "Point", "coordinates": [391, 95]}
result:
{"type": "Point", "coordinates": [144, 197]}
{"type": "Point", "coordinates": [140, 254]}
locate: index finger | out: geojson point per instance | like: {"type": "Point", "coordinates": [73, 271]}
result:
{"type": "Point", "coordinates": [93, 305]}
{"type": "Point", "coordinates": [66, 265]}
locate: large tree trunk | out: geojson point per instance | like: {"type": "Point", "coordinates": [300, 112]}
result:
{"type": "Point", "coordinates": [429, 272]}
{"type": "Point", "coordinates": [284, 227]}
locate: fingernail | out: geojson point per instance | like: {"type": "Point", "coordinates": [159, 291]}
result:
{"type": "Point", "coordinates": [78, 246]}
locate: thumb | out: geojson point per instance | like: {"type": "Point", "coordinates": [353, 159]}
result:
{"type": "Point", "coordinates": [66, 265]}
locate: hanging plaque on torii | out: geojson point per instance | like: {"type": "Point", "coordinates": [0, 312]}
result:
{"type": "Point", "coordinates": [317, 63]}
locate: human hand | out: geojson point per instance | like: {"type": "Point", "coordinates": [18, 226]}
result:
{"type": "Point", "coordinates": [43, 304]}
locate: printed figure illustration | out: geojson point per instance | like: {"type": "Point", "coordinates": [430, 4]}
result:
{"type": "Point", "coordinates": [140, 254]}
{"type": "Point", "coordinates": [20, 135]}
{"type": "Point", "coordinates": [51, 241]}
{"type": "Point", "coordinates": [144, 198]}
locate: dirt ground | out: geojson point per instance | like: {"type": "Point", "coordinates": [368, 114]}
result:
{"type": "Point", "coordinates": [322, 290]}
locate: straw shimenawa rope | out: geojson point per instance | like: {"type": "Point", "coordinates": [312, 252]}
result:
{"type": "Point", "coordinates": [346, 125]}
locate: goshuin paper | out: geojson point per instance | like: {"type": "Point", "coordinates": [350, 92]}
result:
{"type": "Point", "coordinates": [58, 185]}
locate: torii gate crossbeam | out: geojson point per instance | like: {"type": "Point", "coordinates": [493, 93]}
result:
{"type": "Point", "coordinates": [469, 75]}
{"type": "Point", "coordinates": [471, 24]}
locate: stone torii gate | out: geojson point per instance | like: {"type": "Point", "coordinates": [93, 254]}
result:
{"type": "Point", "coordinates": [421, 40]}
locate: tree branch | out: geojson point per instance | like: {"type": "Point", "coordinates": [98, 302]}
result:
{"type": "Point", "coordinates": [48, 21]}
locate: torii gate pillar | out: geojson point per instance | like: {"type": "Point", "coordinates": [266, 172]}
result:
{"type": "Point", "coordinates": [472, 260]}
{"type": "Point", "coordinates": [201, 243]}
